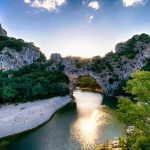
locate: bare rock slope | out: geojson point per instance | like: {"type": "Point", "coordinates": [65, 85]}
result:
{"type": "Point", "coordinates": [2, 31]}
{"type": "Point", "coordinates": [16, 53]}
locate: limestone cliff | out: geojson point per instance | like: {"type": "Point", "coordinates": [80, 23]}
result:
{"type": "Point", "coordinates": [16, 53]}
{"type": "Point", "coordinates": [12, 59]}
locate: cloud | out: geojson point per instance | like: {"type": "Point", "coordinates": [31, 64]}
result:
{"type": "Point", "coordinates": [90, 18]}
{"type": "Point", "coordinates": [132, 3]}
{"type": "Point", "coordinates": [27, 1]}
{"type": "Point", "coordinates": [94, 5]}
{"type": "Point", "coordinates": [49, 5]}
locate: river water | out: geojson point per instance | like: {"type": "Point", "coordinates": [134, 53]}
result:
{"type": "Point", "coordinates": [80, 128]}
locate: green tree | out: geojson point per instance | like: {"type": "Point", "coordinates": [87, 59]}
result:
{"type": "Point", "coordinates": [38, 91]}
{"type": "Point", "coordinates": [32, 82]}
{"type": "Point", "coordinates": [8, 93]}
{"type": "Point", "coordinates": [135, 110]}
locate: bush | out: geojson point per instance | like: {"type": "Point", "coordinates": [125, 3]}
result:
{"type": "Point", "coordinates": [87, 82]}
{"type": "Point", "coordinates": [147, 66]}
{"type": "Point", "coordinates": [4, 144]}
{"type": "Point", "coordinates": [32, 82]}
{"type": "Point", "coordinates": [13, 43]}
{"type": "Point", "coordinates": [135, 110]}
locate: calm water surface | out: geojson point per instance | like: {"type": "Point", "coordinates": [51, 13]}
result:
{"type": "Point", "coordinates": [74, 129]}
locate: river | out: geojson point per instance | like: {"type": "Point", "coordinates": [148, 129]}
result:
{"type": "Point", "coordinates": [80, 128]}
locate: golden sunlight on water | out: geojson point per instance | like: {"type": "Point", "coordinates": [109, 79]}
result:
{"type": "Point", "coordinates": [85, 130]}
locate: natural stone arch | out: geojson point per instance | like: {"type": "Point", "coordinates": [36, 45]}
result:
{"type": "Point", "coordinates": [73, 77]}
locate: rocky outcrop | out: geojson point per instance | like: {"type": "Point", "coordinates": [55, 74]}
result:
{"type": "Point", "coordinates": [12, 59]}
{"type": "Point", "coordinates": [16, 53]}
{"type": "Point", "coordinates": [55, 62]}
{"type": "Point", "coordinates": [2, 31]}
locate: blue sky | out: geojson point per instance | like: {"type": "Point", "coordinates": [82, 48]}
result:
{"type": "Point", "coordinates": [75, 27]}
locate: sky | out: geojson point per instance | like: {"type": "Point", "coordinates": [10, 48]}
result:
{"type": "Point", "coordinates": [83, 28]}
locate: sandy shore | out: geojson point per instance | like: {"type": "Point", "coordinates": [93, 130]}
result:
{"type": "Point", "coordinates": [23, 117]}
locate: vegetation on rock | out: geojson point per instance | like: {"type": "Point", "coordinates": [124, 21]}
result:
{"type": "Point", "coordinates": [147, 66]}
{"type": "Point", "coordinates": [18, 44]}
{"type": "Point", "coordinates": [4, 144]}
{"type": "Point", "coordinates": [13, 43]}
{"type": "Point", "coordinates": [87, 82]}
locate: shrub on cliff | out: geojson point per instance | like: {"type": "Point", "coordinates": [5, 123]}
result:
{"type": "Point", "coordinates": [13, 43]}
{"type": "Point", "coordinates": [147, 65]}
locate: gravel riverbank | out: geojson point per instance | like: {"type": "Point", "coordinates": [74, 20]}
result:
{"type": "Point", "coordinates": [15, 119]}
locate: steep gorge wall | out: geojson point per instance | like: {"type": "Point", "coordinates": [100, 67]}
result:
{"type": "Point", "coordinates": [12, 59]}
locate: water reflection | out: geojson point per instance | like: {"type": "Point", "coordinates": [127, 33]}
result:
{"type": "Point", "coordinates": [85, 130]}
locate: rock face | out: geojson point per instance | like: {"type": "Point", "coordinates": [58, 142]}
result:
{"type": "Point", "coordinates": [16, 53]}
{"type": "Point", "coordinates": [2, 31]}
{"type": "Point", "coordinates": [110, 81]}
{"type": "Point", "coordinates": [56, 62]}
{"type": "Point", "coordinates": [11, 59]}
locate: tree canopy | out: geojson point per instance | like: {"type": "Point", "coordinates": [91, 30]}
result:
{"type": "Point", "coordinates": [31, 83]}
{"type": "Point", "coordinates": [135, 110]}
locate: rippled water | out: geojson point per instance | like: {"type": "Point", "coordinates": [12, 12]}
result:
{"type": "Point", "coordinates": [74, 129]}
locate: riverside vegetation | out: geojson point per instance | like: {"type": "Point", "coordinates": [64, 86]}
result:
{"type": "Point", "coordinates": [87, 82]}
{"type": "Point", "coordinates": [31, 83]}
{"type": "Point", "coordinates": [135, 111]}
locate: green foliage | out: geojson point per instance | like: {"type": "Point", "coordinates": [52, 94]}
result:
{"type": "Point", "coordinates": [8, 93]}
{"type": "Point", "coordinates": [97, 64]}
{"type": "Point", "coordinates": [87, 81]}
{"type": "Point", "coordinates": [16, 44]}
{"type": "Point", "coordinates": [32, 82]}
{"type": "Point", "coordinates": [144, 38]}
{"type": "Point", "coordinates": [113, 79]}
{"type": "Point", "coordinates": [4, 144]}
{"type": "Point", "coordinates": [139, 86]}
{"type": "Point", "coordinates": [137, 115]}
{"type": "Point", "coordinates": [147, 66]}
{"type": "Point", "coordinates": [128, 52]}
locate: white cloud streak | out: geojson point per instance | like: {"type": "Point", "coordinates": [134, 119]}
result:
{"type": "Point", "coordinates": [132, 3]}
{"type": "Point", "coordinates": [49, 5]}
{"type": "Point", "coordinates": [94, 5]}
{"type": "Point", "coordinates": [90, 18]}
